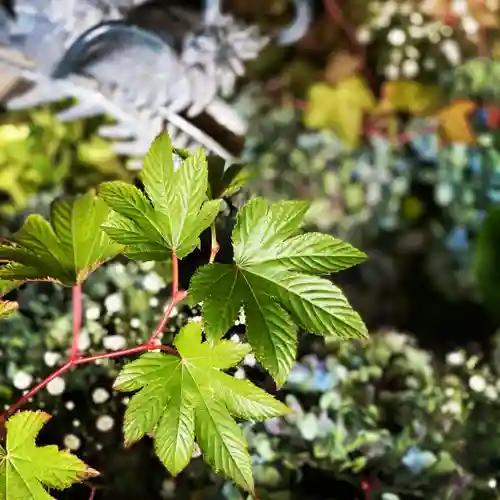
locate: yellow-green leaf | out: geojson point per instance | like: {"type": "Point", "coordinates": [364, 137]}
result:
{"type": "Point", "coordinates": [64, 250]}
{"type": "Point", "coordinates": [26, 468]}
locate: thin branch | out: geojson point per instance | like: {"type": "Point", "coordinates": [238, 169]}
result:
{"type": "Point", "coordinates": [177, 296]}
{"type": "Point", "coordinates": [124, 352]}
{"type": "Point", "coordinates": [77, 299]}
{"type": "Point", "coordinates": [13, 408]}
{"type": "Point", "coordinates": [75, 359]}
{"type": "Point", "coordinates": [215, 247]}
{"type": "Point", "coordinates": [175, 274]}
{"type": "Point", "coordinates": [82, 361]}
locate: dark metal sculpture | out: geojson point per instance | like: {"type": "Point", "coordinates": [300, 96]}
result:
{"type": "Point", "coordinates": [91, 51]}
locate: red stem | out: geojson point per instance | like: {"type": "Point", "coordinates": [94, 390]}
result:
{"type": "Point", "coordinates": [75, 359]}
{"type": "Point", "coordinates": [215, 245]}
{"type": "Point", "coordinates": [125, 352]}
{"type": "Point", "coordinates": [92, 494]}
{"type": "Point", "coordinates": [177, 296]}
{"type": "Point", "coordinates": [77, 301]}
{"type": "Point", "coordinates": [35, 389]}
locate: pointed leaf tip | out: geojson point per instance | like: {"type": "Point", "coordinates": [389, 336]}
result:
{"type": "Point", "coordinates": [91, 473]}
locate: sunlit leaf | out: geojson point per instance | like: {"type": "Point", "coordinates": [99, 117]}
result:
{"type": "Point", "coordinates": [26, 468]}
{"type": "Point", "coordinates": [64, 250]}
{"type": "Point", "coordinates": [274, 277]}
{"type": "Point", "coordinates": [188, 397]}
{"type": "Point", "coordinates": [171, 215]}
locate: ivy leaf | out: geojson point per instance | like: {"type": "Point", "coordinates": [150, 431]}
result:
{"type": "Point", "coordinates": [189, 396]}
{"type": "Point", "coordinates": [276, 276]}
{"type": "Point", "coordinates": [26, 468]}
{"type": "Point", "coordinates": [171, 215]}
{"type": "Point", "coordinates": [66, 250]}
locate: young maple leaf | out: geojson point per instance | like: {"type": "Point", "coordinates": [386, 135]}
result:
{"type": "Point", "coordinates": [7, 307]}
{"type": "Point", "coordinates": [276, 274]}
{"type": "Point", "coordinates": [65, 250]}
{"type": "Point", "coordinates": [189, 395]}
{"type": "Point", "coordinates": [25, 468]}
{"type": "Point", "coordinates": [172, 215]}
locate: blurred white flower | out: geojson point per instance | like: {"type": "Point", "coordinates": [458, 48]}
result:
{"type": "Point", "coordinates": [105, 423]}
{"type": "Point", "coordinates": [491, 392]}
{"type": "Point", "coordinates": [100, 395]}
{"type": "Point", "coordinates": [153, 283]}
{"type": "Point", "coordinates": [93, 312]}
{"type": "Point", "coordinates": [113, 303]}
{"type": "Point", "coordinates": [114, 342]}
{"type": "Point", "coordinates": [477, 383]}
{"type": "Point", "coordinates": [249, 360]}
{"type": "Point", "coordinates": [22, 380]}
{"type": "Point", "coordinates": [135, 323]}
{"type": "Point", "coordinates": [455, 358]}
{"type": "Point", "coordinates": [83, 340]}
{"type": "Point", "coordinates": [51, 358]}
{"type": "Point", "coordinates": [452, 407]}
{"type": "Point", "coordinates": [72, 442]}
{"type": "Point", "coordinates": [56, 386]}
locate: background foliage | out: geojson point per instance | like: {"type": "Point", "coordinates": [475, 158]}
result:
{"type": "Point", "coordinates": [407, 415]}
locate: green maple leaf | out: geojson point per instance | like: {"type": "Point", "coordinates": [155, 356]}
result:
{"type": "Point", "coordinates": [172, 215]}
{"type": "Point", "coordinates": [276, 277]}
{"type": "Point", "coordinates": [187, 396]}
{"type": "Point", "coordinates": [65, 250]}
{"type": "Point", "coordinates": [26, 468]}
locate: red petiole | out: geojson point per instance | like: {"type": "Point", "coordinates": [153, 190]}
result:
{"type": "Point", "coordinates": [76, 359]}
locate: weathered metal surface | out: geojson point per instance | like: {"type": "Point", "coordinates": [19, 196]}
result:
{"type": "Point", "coordinates": [144, 78]}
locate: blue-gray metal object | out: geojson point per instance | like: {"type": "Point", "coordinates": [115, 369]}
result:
{"type": "Point", "coordinates": [86, 50]}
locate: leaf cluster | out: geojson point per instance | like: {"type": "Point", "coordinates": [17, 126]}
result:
{"type": "Point", "coordinates": [277, 276]}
